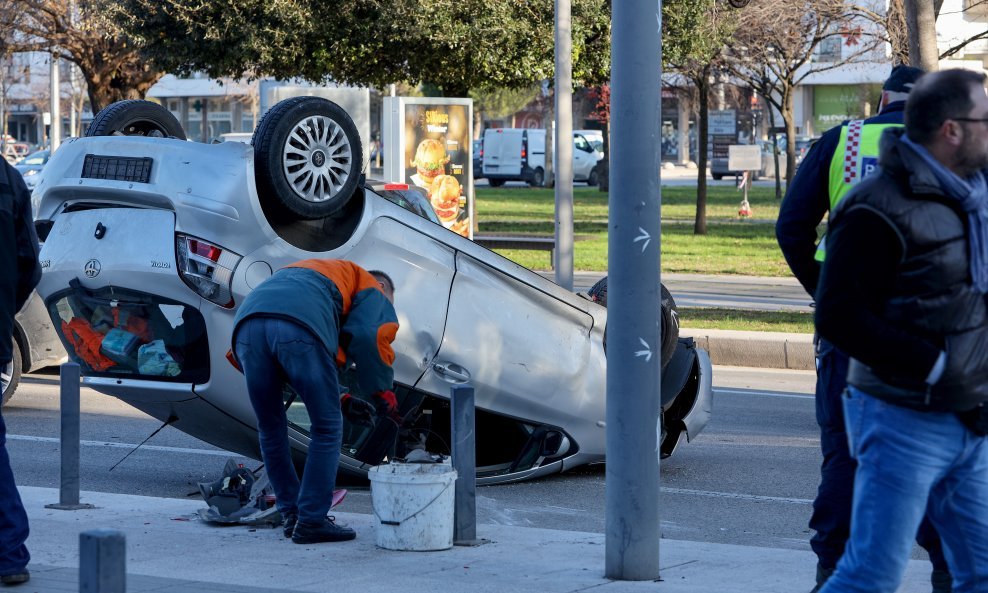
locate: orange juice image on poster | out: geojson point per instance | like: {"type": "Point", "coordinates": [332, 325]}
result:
{"type": "Point", "coordinates": [437, 156]}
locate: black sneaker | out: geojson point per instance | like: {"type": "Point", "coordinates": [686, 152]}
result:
{"type": "Point", "coordinates": [327, 531]}
{"type": "Point", "coordinates": [289, 524]}
{"type": "Point", "coordinates": [18, 578]}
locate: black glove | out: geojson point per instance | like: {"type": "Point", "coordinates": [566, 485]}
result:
{"type": "Point", "coordinates": [387, 406]}
{"type": "Point", "coordinates": [356, 410]}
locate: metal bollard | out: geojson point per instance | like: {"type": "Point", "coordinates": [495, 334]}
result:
{"type": "Point", "coordinates": [68, 496]}
{"type": "Point", "coordinates": [102, 561]}
{"type": "Point", "coordinates": [464, 453]}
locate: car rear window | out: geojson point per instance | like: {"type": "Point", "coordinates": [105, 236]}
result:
{"type": "Point", "coordinates": [123, 333]}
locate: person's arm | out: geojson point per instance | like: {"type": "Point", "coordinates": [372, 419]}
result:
{"type": "Point", "coordinates": [806, 202]}
{"type": "Point", "coordinates": [863, 253]}
{"type": "Point", "coordinates": [26, 240]}
{"type": "Point", "coordinates": [369, 329]}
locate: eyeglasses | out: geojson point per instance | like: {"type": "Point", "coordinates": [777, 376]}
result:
{"type": "Point", "coordinates": [983, 120]}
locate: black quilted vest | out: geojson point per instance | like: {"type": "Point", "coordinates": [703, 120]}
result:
{"type": "Point", "coordinates": [933, 296]}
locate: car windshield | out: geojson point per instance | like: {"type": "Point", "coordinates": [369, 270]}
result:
{"type": "Point", "coordinates": [38, 158]}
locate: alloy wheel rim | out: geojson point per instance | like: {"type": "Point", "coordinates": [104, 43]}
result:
{"type": "Point", "coordinates": [317, 158]}
{"type": "Point", "coordinates": [6, 374]}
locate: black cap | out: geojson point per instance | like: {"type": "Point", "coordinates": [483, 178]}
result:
{"type": "Point", "coordinates": [902, 79]}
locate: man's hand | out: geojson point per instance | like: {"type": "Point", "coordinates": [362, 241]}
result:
{"type": "Point", "coordinates": [356, 410]}
{"type": "Point", "coordinates": [387, 406]}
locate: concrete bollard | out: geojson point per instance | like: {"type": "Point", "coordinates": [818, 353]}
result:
{"type": "Point", "coordinates": [68, 496]}
{"type": "Point", "coordinates": [102, 561]}
{"type": "Point", "coordinates": [464, 453]}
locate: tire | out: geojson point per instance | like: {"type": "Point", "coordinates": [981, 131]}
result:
{"type": "Point", "coordinates": [495, 182]}
{"type": "Point", "coordinates": [136, 118]}
{"type": "Point", "coordinates": [594, 177]}
{"type": "Point", "coordinates": [717, 176]}
{"type": "Point", "coordinates": [308, 157]}
{"type": "Point", "coordinates": [538, 177]}
{"type": "Point", "coordinates": [10, 376]}
{"type": "Point", "coordinates": [669, 315]}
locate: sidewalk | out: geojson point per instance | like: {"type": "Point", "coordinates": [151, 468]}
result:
{"type": "Point", "coordinates": [171, 551]}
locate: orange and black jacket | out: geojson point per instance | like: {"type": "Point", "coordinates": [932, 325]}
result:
{"type": "Point", "coordinates": [342, 305]}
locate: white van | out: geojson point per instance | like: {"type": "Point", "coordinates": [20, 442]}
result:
{"type": "Point", "coordinates": [518, 154]}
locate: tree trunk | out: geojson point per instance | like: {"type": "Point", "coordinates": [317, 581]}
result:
{"type": "Point", "coordinates": [548, 119]}
{"type": "Point", "coordinates": [775, 151]}
{"type": "Point", "coordinates": [604, 175]}
{"type": "Point", "coordinates": [703, 89]}
{"type": "Point", "coordinates": [921, 24]}
{"type": "Point", "coordinates": [789, 118]}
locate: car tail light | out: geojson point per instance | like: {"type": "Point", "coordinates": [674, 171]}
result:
{"type": "Point", "coordinates": [207, 268]}
{"type": "Point", "coordinates": [395, 186]}
{"type": "Point", "coordinates": [524, 153]}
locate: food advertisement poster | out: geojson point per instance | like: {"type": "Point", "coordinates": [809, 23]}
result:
{"type": "Point", "coordinates": [427, 143]}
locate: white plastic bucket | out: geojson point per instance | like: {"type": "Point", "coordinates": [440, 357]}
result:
{"type": "Point", "coordinates": [413, 503]}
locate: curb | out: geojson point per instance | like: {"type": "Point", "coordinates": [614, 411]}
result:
{"type": "Point", "coordinates": [755, 349]}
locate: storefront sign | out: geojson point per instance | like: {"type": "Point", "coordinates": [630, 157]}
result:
{"type": "Point", "coordinates": [427, 144]}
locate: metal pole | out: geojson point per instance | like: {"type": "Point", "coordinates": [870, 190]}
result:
{"type": "Point", "coordinates": [464, 453]}
{"type": "Point", "coordinates": [55, 135]}
{"type": "Point", "coordinates": [68, 496]}
{"type": "Point", "coordinates": [102, 561]}
{"type": "Point", "coordinates": [634, 340]}
{"type": "Point", "coordinates": [564, 145]}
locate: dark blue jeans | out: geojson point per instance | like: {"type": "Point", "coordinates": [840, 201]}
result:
{"type": "Point", "coordinates": [831, 517]}
{"type": "Point", "coordinates": [13, 519]}
{"type": "Point", "coordinates": [912, 464]}
{"type": "Point", "coordinates": [274, 351]}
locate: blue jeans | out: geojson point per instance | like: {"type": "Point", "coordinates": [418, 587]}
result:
{"type": "Point", "coordinates": [13, 519]}
{"type": "Point", "coordinates": [911, 463]}
{"type": "Point", "coordinates": [275, 351]}
{"type": "Point", "coordinates": [831, 518]}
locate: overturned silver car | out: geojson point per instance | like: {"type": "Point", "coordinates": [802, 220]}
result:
{"type": "Point", "coordinates": [151, 242]}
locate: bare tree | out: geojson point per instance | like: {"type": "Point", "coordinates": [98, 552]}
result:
{"type": "Point", "coordinates": [85, 33]}
{"type": "Point", "coordinates": [774, 50]}
{"type": "Point", "coordinates": [921, 23]}
{"type": "Point", "coordinates": [910, 29]}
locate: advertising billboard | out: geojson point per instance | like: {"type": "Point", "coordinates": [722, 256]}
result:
{"type": "Point", "coordinates": [427, 143]}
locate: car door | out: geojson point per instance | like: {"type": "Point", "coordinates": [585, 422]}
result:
{"type": "Point", "coordinates": [524, 350]}
{"type": "Point", "coordinates": [583, 159]}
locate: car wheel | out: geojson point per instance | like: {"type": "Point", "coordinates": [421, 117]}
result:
{"type": "Point", "coordinates": [669, 315]}
{"type": "Point", "coordinates": [308, 157]}
{"type": "Point", "coordinates": [717, 176]}
{"type": "Point", "coordinates": [136, 118]}
{"type": "Point", "coordinates": [10, 375]}
{"type": "Point", "coordinates": [538, 177]}
{"type": "Point", "coordinates": [495, 182]}
{"type": "Point", "coordinates": [594, 177]}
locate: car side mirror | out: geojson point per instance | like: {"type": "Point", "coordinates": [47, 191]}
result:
{"type": "Point", "coordinates": [554, 444]}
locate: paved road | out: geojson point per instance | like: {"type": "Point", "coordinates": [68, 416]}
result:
{"type": "Point", "coordinates": [747, 479]}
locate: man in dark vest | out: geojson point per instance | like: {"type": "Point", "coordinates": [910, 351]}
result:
{"type": "Point", "coordinates": [903, 292]}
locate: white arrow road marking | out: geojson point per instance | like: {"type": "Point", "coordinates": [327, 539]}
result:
{"type": "Point", "coordinates": [647, 352]}
{"type": "Point", "coordinates": [644, 236]}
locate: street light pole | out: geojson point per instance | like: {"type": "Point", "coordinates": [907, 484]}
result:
{"type": "Point", "coordinates": [564, 145]}
{"type": "Point", "coordinates": [55, 132]}
{"type": "Point", "coordinates": [633, 302]}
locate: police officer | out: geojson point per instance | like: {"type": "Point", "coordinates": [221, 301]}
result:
{"type": "Point", "coordinates": [834, 164]}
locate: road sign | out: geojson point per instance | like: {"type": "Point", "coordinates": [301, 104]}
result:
{"type": "Point", "coordinates": [744, 157]}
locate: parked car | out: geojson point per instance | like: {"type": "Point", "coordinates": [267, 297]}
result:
{"type": "Point", "coordinates": [31, 165]}
{"type": "Point", "coordinates": [14, 151]}
{"type": "Point", "coordinates": [518, 154]}
{"type": "Point", "coordinates": [36, 345]}
{"type": "Point", "coordinates": [718, 167]}
{"type": "Point", "coordinates": [153, 242]}
{"type": "Point", "coordinates": [478, 159]}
